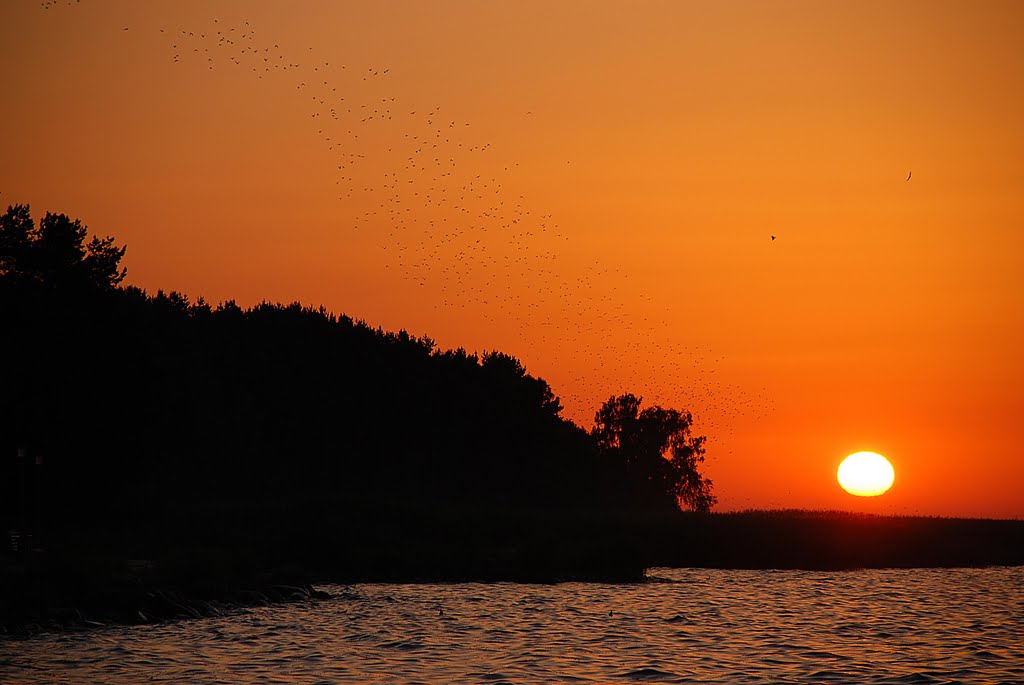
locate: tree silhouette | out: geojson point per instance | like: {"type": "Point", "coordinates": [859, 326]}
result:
{"type": "Point", "coordinates": [17, 234]}
{"type": "Point", "coordinates": [55, 253]}
{"type": "Point", "coordinates": [657, 449]}
{"type": "Point", "coordinates": [506, 369]}
{"type": "Point", "coordinates": [162, 419]}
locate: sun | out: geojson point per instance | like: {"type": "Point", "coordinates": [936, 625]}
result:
{"type": "Point", "coordinates": [866, 474]}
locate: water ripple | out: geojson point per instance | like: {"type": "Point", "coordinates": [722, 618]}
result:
{"type": "Point", "coordinates": [882, 627]}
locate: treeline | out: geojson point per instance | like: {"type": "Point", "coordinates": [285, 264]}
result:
{"type": "Point", "coordinates": [150, 412]}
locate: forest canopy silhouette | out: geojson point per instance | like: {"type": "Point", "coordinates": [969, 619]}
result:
{"type": "Point", "coordinates": [156, 410]}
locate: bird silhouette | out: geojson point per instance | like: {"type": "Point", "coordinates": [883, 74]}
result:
{"type": "Point", "coordinates": [909, 175]}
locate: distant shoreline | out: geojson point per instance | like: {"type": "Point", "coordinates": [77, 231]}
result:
{"type": "Point", "coordinates": [836, 540]}
{"type": "Point", "coordinates": [54, 592]}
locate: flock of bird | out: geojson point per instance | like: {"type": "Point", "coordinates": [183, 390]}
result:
{"type": "Point", "coordinates": [444, 210]}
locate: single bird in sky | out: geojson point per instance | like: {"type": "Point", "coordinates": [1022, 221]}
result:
{"type": "Point", "coordinates": [909, 175]}
{"type": "Point", "coordinates": [773, 238]}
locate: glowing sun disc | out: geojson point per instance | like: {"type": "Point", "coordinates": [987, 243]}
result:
{"type": "Point", "coordinates": [866, 474]}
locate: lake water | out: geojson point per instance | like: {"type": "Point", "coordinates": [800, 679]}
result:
{"type": "Point", "coordinates": [686, 626]}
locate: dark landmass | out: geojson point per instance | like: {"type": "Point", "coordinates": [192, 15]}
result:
{"type": "Point", "coordinates": [222, 447]}
{"type": "Point", "coordinates": [211, 573]}
{"type": "Point", "coordinates": [162, 459]}
{"type": "Point", "coordinates": [834, 540]}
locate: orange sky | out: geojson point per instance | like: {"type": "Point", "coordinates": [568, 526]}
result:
{"type": "Point", "coordinates": [592, 187]}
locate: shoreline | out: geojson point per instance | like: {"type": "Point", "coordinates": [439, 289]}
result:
{"type": "Point", "coordinates": [85, 585]}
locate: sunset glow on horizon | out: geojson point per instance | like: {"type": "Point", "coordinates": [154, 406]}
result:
{"type": "Point", "coordinates": [802, 222]}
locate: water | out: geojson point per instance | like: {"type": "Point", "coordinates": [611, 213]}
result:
{"type": "Point", "coordinates": [686, 626]}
